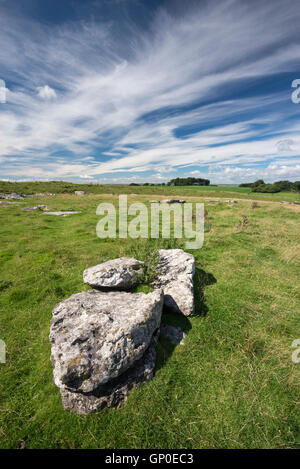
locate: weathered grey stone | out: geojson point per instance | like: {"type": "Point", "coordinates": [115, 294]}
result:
{"type": "Point", "coordinates": [98, 336]}
{"type": "Point", "coordinates": [174, 334]}
{"type": "Point", "coordinates": [36, 207]}
{"type": "Point", "coordinates": [173, 201]}
{"type": "Point", "coordinates": [117, 274]}
{"type": "Point", "coordinates": [79, 193]}
{"type": "Point", "coordinates": [62, 214]}
{"type": "Point", "coordinates": [12, 195]}
{"type": "Point", "coordinates": [7, 203]}
{"type": "Point", "coordinates": [43, 194]}
{"type": "Point", "coordinates": [230, 201]}
{"type": "Point", "coordinates": [115, 392]}
{"type": "Point", "coordinates": [176, 269]}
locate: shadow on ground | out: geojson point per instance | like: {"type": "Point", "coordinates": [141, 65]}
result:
{"type": "Point", "coordinates": [201, 280]}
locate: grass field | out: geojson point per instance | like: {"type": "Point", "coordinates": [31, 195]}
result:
{"type": "Point", "coordinates": [231, 385]}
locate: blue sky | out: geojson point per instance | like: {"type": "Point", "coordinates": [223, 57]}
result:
{"type": "Point", "coordinates": [120, 91]}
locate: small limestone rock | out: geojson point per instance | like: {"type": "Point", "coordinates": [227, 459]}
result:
{"type": "Point", "coordinates": [36, 207]}
{"type": "Point", "coordinates": [174, 334]}
{"type": "Point", "coordinates": [173, 201]}
{"type": "Point", "coordinates": [43, 194]}
{"type": "Point", "coordinates": [62, 214]}
{"type": "Point", "coordinates": [12, 195]}
{"type": "Point", "coordinates": [117, 274]}
{"type": "Point", "coordinates": [176, 269]}
{"type": "Point", "coordinates": [101, 346]}
{"type": "Point", "coordinates": [79, 193]}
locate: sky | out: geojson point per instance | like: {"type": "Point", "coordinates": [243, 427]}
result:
{"type": "Point", "coordinates": [122, 91]}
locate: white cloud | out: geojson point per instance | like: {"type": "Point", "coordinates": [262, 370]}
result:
{"type": "Point", "coordinates": [108, 82]}
{"type": "Point", "coordinates": [45, 92]}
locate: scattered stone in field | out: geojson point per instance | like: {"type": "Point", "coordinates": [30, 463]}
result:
{"type": "Point", "coordinates": [37, 207]}
{"type": "Point", "coordinates": [284, 202]}
{"type": "Point", "coordinates": [102, 344]}
{"type": "Point", "coordinates": [174, 334]}
{"type": "Point", "coordinates": [13, 195]}
{"type": "Point", "coordinates": [173, 201]}
{"type": "Point", "coordinates": [176, 269]}
{"type": "Point", "coordinates": [43, 194]}
{"type": "Point", "coordinates": [297, 203]}
{"type": "Point", "coordinates": [133, 195]}
{"type": "Point", "coordinates": [61, 214]}
{"type": "Point", "coordinates": [230, 201]}
{"type": "Point", "coordinates": [6, 203]}
{"type": "Point", "coordinates": [79, 193]}
{"type": "Point", "coordinates": [117, 274]}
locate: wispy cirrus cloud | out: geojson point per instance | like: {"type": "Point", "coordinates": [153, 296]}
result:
{"type": "Point", "coordinates": [207, 86]}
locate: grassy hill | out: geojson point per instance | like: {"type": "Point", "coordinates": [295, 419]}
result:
{"type": "Point", "coordinates": [61, 187]}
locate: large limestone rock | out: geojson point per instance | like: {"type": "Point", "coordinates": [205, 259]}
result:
{"type": "Point", "coordinates": [176, 269]}
{"type": "Point", "coordinates": [115, 392]}
{"type": "Point", "coordinates": [117, 274]}
{"type": "Point", "coordinates": [102, 345]}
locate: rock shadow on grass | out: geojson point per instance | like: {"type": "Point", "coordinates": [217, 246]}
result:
{"type": "Point", "coordinates": [202, 279]}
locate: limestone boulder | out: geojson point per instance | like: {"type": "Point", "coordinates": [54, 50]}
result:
{"type": "Point", "coordinates": [115, 392]}
{"type": "Point", "coordinates": [175, 271]}
{"type": "Point", "coordinates": [98, 336]}
{"type": "Point", "coordinates": [116, 274]}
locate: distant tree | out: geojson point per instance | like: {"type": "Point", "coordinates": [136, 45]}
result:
{"type": "Point", "coordinates": [269, 188]}
{"type": "Point", "coordinates": [296, 186]}
{"type": "Point", "coordinates": [284, 186]}
{"type": "Point", "coordinates": [257, 183]}
{"type": "Point", "coordinates": [189, 182]}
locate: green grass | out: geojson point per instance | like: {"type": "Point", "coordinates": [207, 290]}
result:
{"type": "Point", "coordinates": [231, 385]}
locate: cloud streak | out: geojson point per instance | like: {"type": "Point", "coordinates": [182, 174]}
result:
{"type": "Point", "coordinates": [88, 100]}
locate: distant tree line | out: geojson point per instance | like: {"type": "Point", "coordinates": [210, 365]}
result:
{"type": "Point", "coordinates": [279, 186]}
{"type": "Point", "coordinates": [189, 182]}
{"type": "Point", "coordinates": [178, 182]}
{"type": "Point", "coordinates": [147, 184]}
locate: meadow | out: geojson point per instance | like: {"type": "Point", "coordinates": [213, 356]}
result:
{"type": "Point", "coordinates": [232, 384]}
